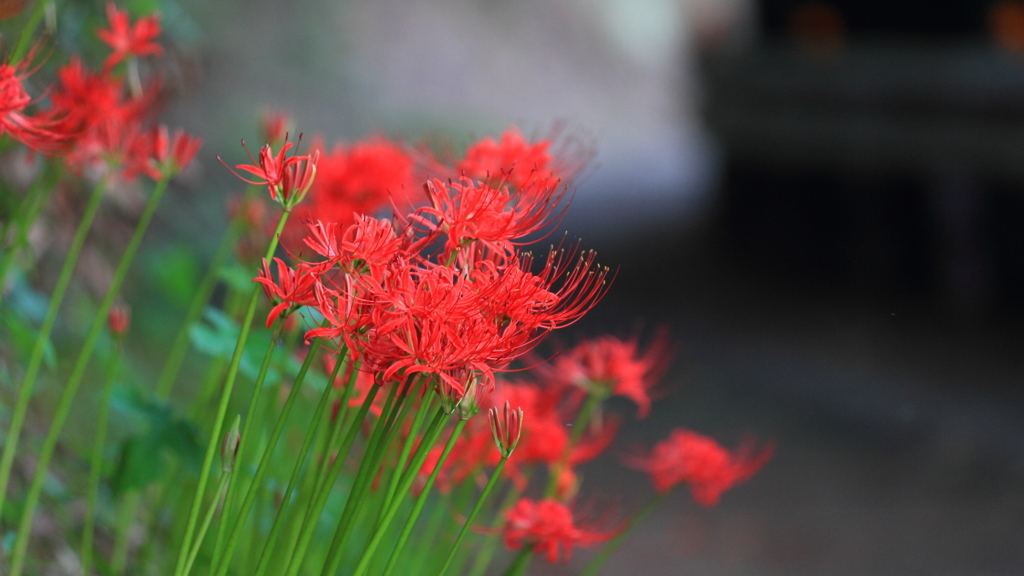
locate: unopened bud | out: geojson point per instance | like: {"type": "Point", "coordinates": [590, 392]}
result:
{"type": "Point", "coordinates": [229, 447]}
{"type": "Point", "coordinates": [118, 319]}
{"type": "Point", "coordinates": [506, 427]}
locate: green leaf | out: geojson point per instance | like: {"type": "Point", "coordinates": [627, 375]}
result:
{"type": "Point", "coordinates": [143, 457]}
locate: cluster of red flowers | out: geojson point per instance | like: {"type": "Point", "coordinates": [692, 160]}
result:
{"type": "Point", "coordinates": [405, 305]}
{"type": "Point", "coordinates": [93, 118]}
{"type": "Point", "coordinates": [444, 293]}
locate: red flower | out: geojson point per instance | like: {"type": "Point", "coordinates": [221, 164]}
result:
{"type": "Point", "coordinates": [127, 40]}
{"type": "Point", "coordinates": [614, 365]}
{"type": "Point", "coordinates": [512, 161]}
{"type": "Point", "coordinates": [294, 287]}
{"type": "Point", "coordinates": [686, 456]}
{"type": "Point", "coordinates": [43, 133]}
{"type": "Point", "coordinates": [173, 155]}
{"type": "Point", "coordinates": [548, 527]}
{"type": "Point", "coordinates": [118, 319]}
{"type": "Point", "coordinates": [468, 211]}
{"type": "Point", "coordinates": [287, 178]}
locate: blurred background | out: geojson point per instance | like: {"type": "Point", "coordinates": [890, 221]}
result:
{"type": "Point", "coordinates": [823, 201]}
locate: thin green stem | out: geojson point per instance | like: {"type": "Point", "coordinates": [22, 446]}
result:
{"type": "Point", "coordinates": [39, 347]}
{"type": "Point", "coordinates": [403, 457]}
{"type": "Point", "coordinates": [371, 462]}
{"type": "Point", "coordinates": [250, 416]}
{"type": "Point", "coordinates": [521, 562]}
{"type": "Point", "coordinates": [371, 547]}
{"type": "Point", "coordinates": [578, 427]}
{"type": "Point", "coordinates": [316, 506]}
{"type": "Point", "coordinates": [222, 408]}
{"type": "Point", "coordinates": [472, 515]}
{"type": "Point", "coordinates": [28, 210]}
{"type": "Point", "coordinates": [71, 388]}
{"type": "Point", "coordinates": [96, 460]}
{"type": "Point", "coordinates": [608, 549]}
{"type": "Point", "coordinates": [210, 511]}
{"type": "Point", "coordinates": [483, 559]}
{"type": "Point", "coordinates": [264, 464]}
{"type": "Point", "coordinates": [271, 538]}
{"type": "Point", "coordinates": [21, 49]}
{"type": "Point", "coordinates": [125, 515]}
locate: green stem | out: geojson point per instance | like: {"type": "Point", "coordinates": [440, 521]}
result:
{"type": "Point", "coordinates": [210, 511]}
{"type": "Point", "coordinates": [176, 356]}
{"type": "Point", "coordinates": [403, 457]}
{"type": "Point", "coordinates": [483, 559]}
{"type": "Point", "coordinates": [261, 470]}
{"type": "Point", "coordinates": [96, 460]}
{"type": "Point", "coordinates": [316, 506]}
{"type": "Point", "coordinates": [250, 416]}
{"type": "Point", "coordinates": [271, 539]}
{"type": "Point", "coordinates": [578, 427]}
{"type": "Point", "coordinates": [371, 547]}
{"type": "Point", "coordinates": [522, 560]}
{"type": "Point", "coordinates": [222, 408]}
{"type": "Point", "coordinates": [608, 549]}
{"type": "Point", "coordinates": [373, 458]}
{"type": "Point", "coordinates": [119, 556]}
{"type": "Point", "coordinates": [39, 347]}
{"type": "Point", "coordinates": [472, 515]}
{"type": "Point", "coordinates": [71, 388]}
{"type": "Point", "coordinates": [26, 33]}
{"type": "Point", "coordinates": [28, 210]}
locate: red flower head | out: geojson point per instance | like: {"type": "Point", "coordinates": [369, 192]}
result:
{"type": "Point", "coordinates": [686, 456]}
{"type": "Point", "coordinates": [513, 161]}
{"type": "Point", "coordinates": [468, 211]}
{"type": "Point", "coordinates": [128, 40]}
{"type": "Point", "coordinates": [287, 178]}
{"type": "Point", "coordinates": [44, 133]}
{"type": "Point", "coordinates": [614, 365]}
{"type": "Point", "coordinates": [171, 156]}
{"type": "Point", "coordinates": [547, 526]}
{"type": "Point", "coordinates": [294, 287]}
{"type": "Point", "coordinates": [118, 319]}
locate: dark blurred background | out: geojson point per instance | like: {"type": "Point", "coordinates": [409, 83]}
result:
{"type": "Point", "coordinates": [822, 200]}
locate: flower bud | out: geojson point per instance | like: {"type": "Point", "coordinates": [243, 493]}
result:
{"type": "Point", "coordinates": [506, 428]}
{"type": "Point", "coordinates": [118, 319]}
{"type": "Point", "coordinates": [229, 447]}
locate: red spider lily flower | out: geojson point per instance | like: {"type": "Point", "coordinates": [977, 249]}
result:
{"type": "Point", "coordinates": [465, 402]}
{"type": "Point", "coordinates": [275, 126]}
{"type": "Point", "coordinates": [609, 365]}
{"type": "Point", "coordinates": [468, 211]}
{"type": "Point", "coordinates": [287, 178]}
{"type": "Point", "coordinates": [43, 133]}
{"type": "Point", "coordinates": [171, 156]}
{"type": "Point", "coordinates": [126, 39]}
{"type": "Point", "coordinates": [506, 427]}
{"type": "Point", "coordinates": [294, 287]}
{"type": "Point", "coordinates": [548, 527]}
{"type": "Point", "coordinates": [710, 470]}
{"type": "Point", "coordinates": [366, 247]}
{"type": "Point", "coordinates": [513, 161]}
{"type": "Point", "coordinates": [118, 319]}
